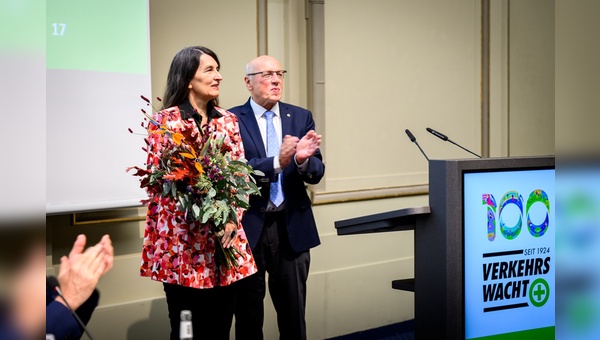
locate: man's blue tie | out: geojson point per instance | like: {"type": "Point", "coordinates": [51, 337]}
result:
{"type": "Point", "coordinates": [276, 194]}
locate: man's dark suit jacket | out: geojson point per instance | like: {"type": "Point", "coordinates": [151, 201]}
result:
{"type": "Point", "coordinates": [301, 226]}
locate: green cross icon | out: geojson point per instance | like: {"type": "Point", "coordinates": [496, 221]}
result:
{"type": "Point", "coordinates": [539, 292]}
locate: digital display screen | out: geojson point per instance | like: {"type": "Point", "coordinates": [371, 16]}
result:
{"type": "Point", "coordinates": [509, 254]}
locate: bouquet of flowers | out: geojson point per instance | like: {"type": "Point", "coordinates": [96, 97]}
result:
{"type": "Point", "coordinates": [207, 184]}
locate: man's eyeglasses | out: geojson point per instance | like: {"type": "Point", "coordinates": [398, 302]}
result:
{"type": "Point", "coordinates": [269, 74]}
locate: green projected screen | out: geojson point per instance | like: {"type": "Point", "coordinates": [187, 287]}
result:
{"type": "Point", "coordinates": [104, 36]}
{"type": "Point", "coordinates": [97, 66]}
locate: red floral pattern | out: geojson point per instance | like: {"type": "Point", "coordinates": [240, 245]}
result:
{"type": "Point", "coordinates": [183, 252]}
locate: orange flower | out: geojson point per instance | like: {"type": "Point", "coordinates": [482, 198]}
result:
{"type": "Point", "coordinates": [158, 132]}
{"type": "Point", "coordinates": [177, 174]}
{"type": "Point", "coordinates": [177, 137]}
{"type": "Point", "coordinates": [199, 168]}
{"type": "Point", "coordinates": [190, 155]}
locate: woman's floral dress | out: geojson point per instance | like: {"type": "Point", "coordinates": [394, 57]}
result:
{"type": "Point", "coordinates": [183, 252]}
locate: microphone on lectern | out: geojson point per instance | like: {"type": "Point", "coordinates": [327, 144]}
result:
{"type": "Point", "coordinates": [446, 139]}
{"type": "Point", "coordinates": [414, 140]}
{"type": "Point", "coordinates": [437, 134]}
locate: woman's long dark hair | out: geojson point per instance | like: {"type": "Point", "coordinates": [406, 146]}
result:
{"type": "Point", "coordinates": [182, 70]}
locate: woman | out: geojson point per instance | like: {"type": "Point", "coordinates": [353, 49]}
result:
{"type": "Point", "coordinates": [179, 250]}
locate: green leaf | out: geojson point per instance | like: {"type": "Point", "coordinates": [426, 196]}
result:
{"type": "Point", "coordinates": [205, 217]}
{"type": "Point", "coordinates": [254, 188]}
{"type": "Point", "coordinates": [212, 192]}
{"type": "Point", "coordinates": [166, 188]}
{"type": "Point", "coordinates": [196, 211]}
{"type": "Point", "coordinates": [224, 216]}
{"type": "Point", "coordinates": [233, 215]}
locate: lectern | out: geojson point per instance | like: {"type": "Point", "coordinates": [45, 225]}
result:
{"type": "Point", "coordinates": [484, 217]}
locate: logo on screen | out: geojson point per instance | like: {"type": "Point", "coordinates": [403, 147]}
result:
{"type": "Point", "coordinates": [513, 277]}
{"type": "Point", "coordinates": [539, 292]}
{"type": "Point", "coordinates": [506, 210]}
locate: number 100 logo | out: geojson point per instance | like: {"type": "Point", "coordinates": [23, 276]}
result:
{"type": "Point", "coordinates": [512, 197]}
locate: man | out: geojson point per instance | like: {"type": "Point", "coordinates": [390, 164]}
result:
{"type": "Point", "coordinates": [279, 224]}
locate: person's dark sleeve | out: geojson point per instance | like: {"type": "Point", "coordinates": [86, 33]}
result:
{"type": "Point", "coordinates": [59, 320]}
{"type": "Point", "coordinates": [61, 323]}
{"type": "Point", "coordinates": [85, 311]}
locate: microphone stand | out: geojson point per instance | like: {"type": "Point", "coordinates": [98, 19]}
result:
{"type": "Point", "coordinates": [469, 151]}
{"type": "Point", "coordinates": [446, 139]}
{"type": "Point", "coordinates": [414, 140]}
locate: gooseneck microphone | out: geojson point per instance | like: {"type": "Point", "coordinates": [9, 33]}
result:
{"type": "Point", "coordinates": [414, 140]}
{"type": "Point", "coordinates": [54, 285]}
{"type": "Point", "coordinates": [446, 139]}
